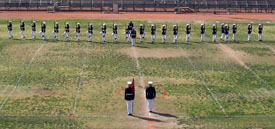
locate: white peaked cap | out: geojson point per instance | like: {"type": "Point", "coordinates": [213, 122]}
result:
{"type": "Point", "coordinates": [104, 23]}
{"type": "Point", "coordinates": [33, 21]}
{"type": "Point", "coordinates": [9, 21]}
{"type": "Point", "coordinates": [202, 24]}
{"type": "Point", "coordinates": [22, 21]}
{"type": "Point", "coordinates": [141, 24]}
{"type": "Point", "coordinates": [187, 24]}
{"type": "Point", "coordinates": [150, 82]}
{"type": "Point", "coordinates": [214, 24]}
{"type": "Point", "coordinates": [129, 83]}
{"type": "Point", "coordinates": [175, 25]}
{"type": "Point", "coordinates": [222, 23]}
{"type": "Point", "coordinates": [234, 24]}
{"type": "Point", "coordinates": [163, 25]}
{"type": "Point", "coordinates": [44, 22]}
{"type": "Point", "coordinates": [152, 25]}
{"type": "Point", "coordinates": [56, 22]}
{"type": "Point", "coordinates": [78, 23]}
{"type": "Point", "coordinates": [260, 24]}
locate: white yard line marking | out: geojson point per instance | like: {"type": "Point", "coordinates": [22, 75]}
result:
{"type": "Point", "coordinates": [231, 53]}
{"type": "Point", "coordinates": [80, 80]}
{"type": "Point", "coordinates": [202, 80]}
{"type": "Point", "coordinates": [141, 80]}
{"type": "Point", "coordinates": [21, 76]}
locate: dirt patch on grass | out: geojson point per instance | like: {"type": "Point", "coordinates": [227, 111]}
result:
{"type": "Point", "coordinates": [153, 52]}
{"type": "Point", "coordinates": [242, 57]}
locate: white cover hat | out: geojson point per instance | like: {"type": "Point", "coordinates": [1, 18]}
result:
{"type": "Point", "coordinates": [150, 82]}
{"type": "Point", "coordinates": [129, 83]}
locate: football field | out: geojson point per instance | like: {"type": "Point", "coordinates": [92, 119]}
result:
{"type": "Point", "coordinates": [80, 84]}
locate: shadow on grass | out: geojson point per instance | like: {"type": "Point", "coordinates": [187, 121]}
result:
{"type": "Point", "coordinates": [165, 114]}
{"type": "Point", "coordinates": [147, 119]}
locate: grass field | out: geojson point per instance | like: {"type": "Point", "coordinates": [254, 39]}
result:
{"type": "Point", "coordinates": [58, 84]}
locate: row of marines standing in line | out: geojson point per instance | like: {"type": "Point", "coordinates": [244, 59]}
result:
{"type": "Point", "coordinates": [130, 32]}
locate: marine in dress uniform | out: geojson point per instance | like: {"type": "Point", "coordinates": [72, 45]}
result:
{"type": "Point", "coordinates": [10, 30]}
{"type": "Point", "coordinates": [56, 30]}
{"type": "Point", "coordinates": [131, 26]}
{"type": "Point", "coordinates": [175, 33]}
{"type": "Point", "coordinates": [222, 30]}
{"type": "Point", "coordinates": [43, 30]}
{"type": "Point", "coordinates": [33, 29]}
{"type": "Point", "coordinates": [133, 36]}
{"type": "Point", "coordinates": [226, 32]}
{"type": "Point", "coordinates": [202, 32]}
{"type": "Point", "coordinates": [188, 32]}
{"type": "Point", "coordinates": [260, 32]}
{"type": "Point", "coordinates": [115, 32]}
{"type": "Point", "coordinates": [127, 33]}
{"type": "Point", "coordinates": [77, 31]}
{"type": "Point", "coordinates": [129, 96]}
{"type": "Point", "coordinates": [249, 31]}
{"type": "Point", "coordinates": [141, 32]}
{"type": "Point", "coordinates": [150, 96]}
{"type": "Point", "coordinates": [153, 33]}
{"type": "Point", "coordinates": [103, 32]}
{"type": "Point", "coordinates": [90, 32]}
{"type": "Point", "coordinates": [22, 28]}
{"type": "Point", "coordinates": [67, 31]}
{"type": "Point", "coordinates": [164, 36]}
{"type": "Point", "coordinates": [214, 33]}
{"type": "Point", "coordinates": [234, 31]}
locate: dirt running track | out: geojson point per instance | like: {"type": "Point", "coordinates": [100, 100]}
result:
{"type": "Point", "coordinates": [135, 15]}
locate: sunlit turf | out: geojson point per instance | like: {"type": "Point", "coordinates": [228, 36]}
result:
{"type": "Point", "coordinates": [50, 85]}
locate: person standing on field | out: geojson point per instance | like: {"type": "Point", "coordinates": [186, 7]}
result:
{"type": "Point", "coordinates": [43, 30]}
{"type": "Point", "coordinates": [133, 36]}
{"type": "Point", "coordinates": [90, 32]}
{"type": "Point", "coordinates": [260, 32]}
{"type": "Point", "coordinates": [77, 31]}
{"type": "Point", "coordinates": [115, 32]}
{"type": "Point", "coordinates": [175, 30]}
{"type": "Point", "coordinates": [22, 28]}
{"type": "Point", "coordinates": [141, 32]}
{"type": "Point", "coordinates": [222, 29]}
{"type": "Point", "coordinates": [214, 33]}
{"type": "Point", "coordinates": [33, 29]}
{"type": "Point", "coordinates": [103, 32]}
{"type": "Point", "coordinates": [188, 32]}
{"type": "Point", "coordinates": [234, 30]}
{"type": "Point", "coordinates": [153, 33]}
{"type": "Point", "coordinates": [249, 30]}
{"type": "Point", "coordinates": [226, 32]}
{"type": "Point", "coordinates": [163, 33]}
{"type": "Point", "coordinates": [202, 32]}
{"type": "Point", "coordinates": [10, 30]}
{"type": "Point", "coordinates": [67, 31]}
{"type": "Point", "coordinates": [56, 30]}
{"type": "Point", "coordinates": [129, 96]}
{"type": "Point", "coordinates": [150, 96]}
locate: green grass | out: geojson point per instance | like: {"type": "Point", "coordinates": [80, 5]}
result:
{"type": "Point", "coordinates": [50, 85]}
